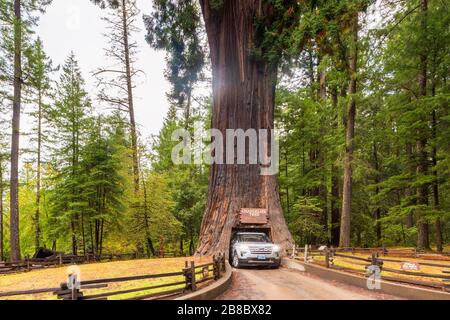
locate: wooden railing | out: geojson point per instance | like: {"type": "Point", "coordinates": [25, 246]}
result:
{"type": "Point", "coordinates": [187, 280]}
{"type": "Point", "coordinates": [329, 257]}
{"type": "Point", "coordinates": [59, 260]}
{"type": "Point", "coordinates": [397, 252]}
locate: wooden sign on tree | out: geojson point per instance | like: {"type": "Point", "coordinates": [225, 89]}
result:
{"type": "Point", "coordinates": [253, 216]}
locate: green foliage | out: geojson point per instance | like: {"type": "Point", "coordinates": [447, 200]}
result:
{"type": "Point", "coordinates": [175, 27]}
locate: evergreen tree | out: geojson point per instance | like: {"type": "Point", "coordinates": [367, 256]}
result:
{"type": "Point", "coordinates": [38, 73]}
{"type": "Point", "coordinates": [70, 118]}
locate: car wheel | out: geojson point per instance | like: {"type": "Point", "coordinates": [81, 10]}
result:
{"type": "Point", "coordinates": [235, 260]}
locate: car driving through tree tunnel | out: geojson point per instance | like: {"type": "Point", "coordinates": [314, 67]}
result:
{"type": "Point", "coordinates": [254, 249]}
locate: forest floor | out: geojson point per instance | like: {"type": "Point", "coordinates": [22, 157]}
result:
{"type": "Point", "coordinates": [53, 277]}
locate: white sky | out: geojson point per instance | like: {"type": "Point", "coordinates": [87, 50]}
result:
{"type": "Point", "coordinates": [76, 25]}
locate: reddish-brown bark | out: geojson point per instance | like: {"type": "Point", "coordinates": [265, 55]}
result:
{"type": "Point", "coordinates": [243, 95]}
{"type": "Point", "coordinates": [344, 240]}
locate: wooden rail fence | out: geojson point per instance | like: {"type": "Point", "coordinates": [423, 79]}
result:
{"type": "Point", "coordinates": [59, 260]}
{"type": "Point", "coordinates": [184, 281]}
{"type": "Point", "coordinates": [329, 255]}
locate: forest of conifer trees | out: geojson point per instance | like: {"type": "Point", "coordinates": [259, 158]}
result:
{"type": "Point", "coordinates": [358, 90]}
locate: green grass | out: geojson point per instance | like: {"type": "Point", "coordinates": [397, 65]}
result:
{"type": "Point", "coordinates": [359, 266]}
{"type": "Point", "coordinates": [53, 277]}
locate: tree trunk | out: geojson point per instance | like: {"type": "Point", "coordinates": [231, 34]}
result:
{"type": "Point", "coordinates": [377, 214]}
{"type": "Point", "coordinates": [83, 235]}
{"type": "Point", "coordinates": [335, 212]}
{"type": "Point", "coordinates": [181, 248]}
{"type": "Point", "coordinates": [1, 211]}
{"type": "Point", "coordinates": [409, 219]}
{"type": "Point", "coordinates": [344, 240]}
{"type": "Point", "coordinates": [243, 95]}
{"type": "Point", "coordinates": [421, 169]}
{"type": "Point", "coordinates": [438, 223]}
{"type": "Point", "coordinates": [14, 185]}
{"type": "Point", "coordinates": [101, 236]}
{"type": "Point", "coordinates": [323, 192]}
{"type": "Point", "coordinates": [38, 175]}
{"type": "Point", "coordinates": [335, 208]}
{"type": "Point", "coordinates": [130, 96]}
{"type": "Point", "coordinates": [74, 239]}
{"type": "Point", "coordinates": [286, 172]}
{"type": "Point", "coordinates": [148, 239]}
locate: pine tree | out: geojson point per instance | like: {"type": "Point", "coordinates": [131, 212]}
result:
{"type": "Point", "coordinates": [70, 118]}
{"type": "Point", "coordinates": [38, 74]}
{"type": "Point", "coordinates": [117, 82]}
{"type": "Point", "coordinates": [176, 28]}
{"type": "Point", "coordinates": [102, 184]}
{"type": "Point", "coordinates": [18, 19]}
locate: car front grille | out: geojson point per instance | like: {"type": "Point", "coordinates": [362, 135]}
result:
{"type": "Point", "coordinates": [260, 250]}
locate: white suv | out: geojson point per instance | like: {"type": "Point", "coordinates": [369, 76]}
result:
{"type": "Point", "coordinates": [254, 249]}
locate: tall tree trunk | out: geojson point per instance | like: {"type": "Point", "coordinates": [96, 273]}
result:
{"type": "Point", "coordinates": [377, 214]}
{"type": "Point", "coordinates": [344, 240]}
{"type": "Point", "coordinates": [133, 130]}
{"type": "Point", "coordinates": [83, 235]}
{"type": "Point", "coordinates": [323, 192]}
{"type": "Point", "coordinates": [75, 149]}
{"type": "Point", "coordinates": [148, 238]}
{"type": "Point", "coordinates": [286, 172]}
{"type": "Point", "coordinates": [421, 169]}
{"type": "Point", "coordinates": [181, 247]}
{"type": "Point", "coordinates": [335, 212]}
{"type": "Point", "coordinates": [14, 185]}
{"type": "Point", "coordinates": [74, 238]}
{"type": "Point", "coordinates": [438, 223]}
{"type": "Point", "coordinates": [243, 95]}
{"type": "Point", "coordinates": [335, 208]}
{"type": "Point", "coordinates": [1, 211]}
{"type": "Point", "coordinates": [37, 236]}
{"type": "Point", "coordinates": [409, 219]}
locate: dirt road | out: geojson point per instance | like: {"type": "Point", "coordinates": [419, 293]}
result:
{"type": "Point", "coordinates": [286, 284]}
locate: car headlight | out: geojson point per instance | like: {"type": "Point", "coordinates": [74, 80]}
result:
{"type": "Point", "coordinates": [276, 248]}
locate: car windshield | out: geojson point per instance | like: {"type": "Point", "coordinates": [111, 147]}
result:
{"type": "Point", "coordinates": [253, 238]}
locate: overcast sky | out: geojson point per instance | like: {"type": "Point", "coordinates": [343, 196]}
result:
{"type": "Point", "coordinates": [76, 25]}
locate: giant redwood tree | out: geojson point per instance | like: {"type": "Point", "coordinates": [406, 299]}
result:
{"type": "Point", "coordinates": [246, 40]}
{"type": "Point", "coordinates": [243, 98]}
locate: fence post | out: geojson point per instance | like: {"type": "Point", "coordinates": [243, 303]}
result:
{"type": "Point", "coordinates": [327, 257]}
{"type": "Point", "coordinates": [193, 282]}
{"type": "Point", "coordinates": [332, 252]}
{"type": "Point", "coordinates": [186, 271]}
{"type": "Point", "coordinates": [306, 253]}
{"type": "Point", "coordinates": [74, 290]}
{"type": "Point", "coordinates": [375, 261]}
{"type": "Point", "coordinates": [189, 274]}
{"type": "Point", "coordinates": [293, 251]}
